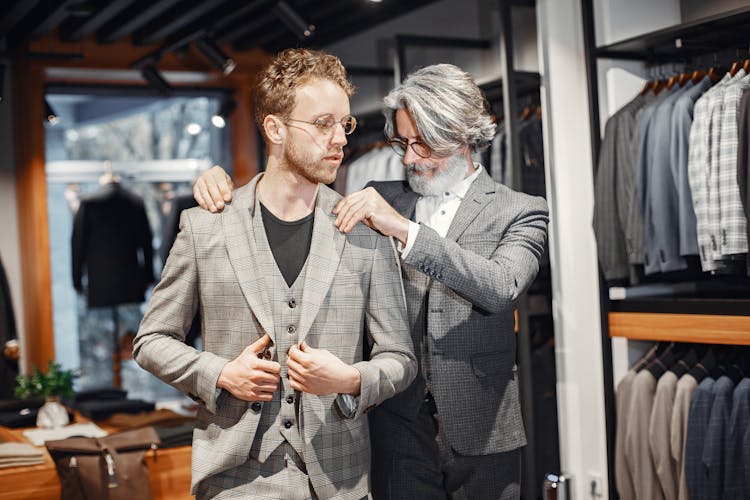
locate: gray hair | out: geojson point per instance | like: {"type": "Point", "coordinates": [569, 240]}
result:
{"type": "Point", "coordinates": [448, 108]}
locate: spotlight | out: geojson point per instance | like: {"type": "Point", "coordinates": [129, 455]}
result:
{"type": "Point", "coordinates": [155, 80]}
{"type": "Point", "coordinates": [219, 119]}
{"type": "Point", "coordinates": [293, 21]}
{"type": "Point", "coordinates": [215, 55]}
{"type": "Point", "coordinates": [193, 128]}
{"type": "Point", "coordinates": [49, 114]}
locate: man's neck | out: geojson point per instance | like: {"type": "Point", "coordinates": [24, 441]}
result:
{"type": "Point", "coordinates": [286, 194]}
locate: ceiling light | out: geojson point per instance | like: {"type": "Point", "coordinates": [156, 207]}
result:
{"type": "Point", "coordinates": [215, 55]}
{"type": "Point", "coordinates": [50, 115]}
{"type": "Point", "coordinates": [155, 80]}
{"type": "Point", "coordinates": [193, 128]}
{"type": "Point", "coordinates": [219, 119]}
{"type": "Point", "coordinates": [293, 21]}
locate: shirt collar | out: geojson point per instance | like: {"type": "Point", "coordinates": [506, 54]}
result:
{"type": "Point", "coordinates": [462, 187]}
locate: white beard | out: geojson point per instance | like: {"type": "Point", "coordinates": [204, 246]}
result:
{"type": "Point", "coordinates": [441, 181]}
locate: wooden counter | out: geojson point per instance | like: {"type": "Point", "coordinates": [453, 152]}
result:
{"type": "Point", "coordinates": [169, 472]}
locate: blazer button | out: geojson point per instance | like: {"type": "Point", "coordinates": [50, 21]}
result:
{"type": "Point", "coordinates": [292, 304]}
{"type": "Point", "coordinates": [287, 424]}
{"type": "Point", "coordinates": [256, 406]}
{"type": "Point", "coordinates": [291, 329]}
{"type": "Point", "coordinates": [290, 399]}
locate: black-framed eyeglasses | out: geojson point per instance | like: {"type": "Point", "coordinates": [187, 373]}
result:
{"type": "Point", "coordinates": [325, 123]}
{"type": "Point", "coordinates": [420, 148]}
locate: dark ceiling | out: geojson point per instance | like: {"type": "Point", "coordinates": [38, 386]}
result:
{"type": "Point", "coordinates": [172, 24]}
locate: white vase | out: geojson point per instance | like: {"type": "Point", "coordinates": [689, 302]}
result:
{"type": "Point", "coordinates": [52, 414]}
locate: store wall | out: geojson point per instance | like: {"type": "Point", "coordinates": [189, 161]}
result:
{"type": "Point", "coordinates": [9, 243]}
{"type": "Point", "coordinates": [580, 389]}
{"type": "Point", "coordinates": [471, 19]}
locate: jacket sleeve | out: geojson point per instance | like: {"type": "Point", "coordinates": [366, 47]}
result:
{"type": "Point", "coordinates": [160, 345]}
{"type": "Point", "coordinates": [392, 365]}
{"type": "Point", "coordinates": [146, 243]}
{"type": "Point", "coordinates": [493, 284]}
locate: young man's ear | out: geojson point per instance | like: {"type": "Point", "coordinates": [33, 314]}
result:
{"type": "Point", "coordinates": [274, 128]}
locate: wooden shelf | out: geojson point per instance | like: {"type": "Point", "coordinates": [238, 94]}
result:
{"type": "Point", "coordinates": [698, 328]}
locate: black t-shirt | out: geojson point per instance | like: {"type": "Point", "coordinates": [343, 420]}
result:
{"type": "Point", "coordinates": [289, 242]}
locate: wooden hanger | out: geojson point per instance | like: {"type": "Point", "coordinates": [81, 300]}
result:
{"type": "Point", "coordinates": [714, 73]}
{"type": "Point", "coordinates": [746, 65]}
{"type": "Point", "coordinates": [683, 78]}
{"type": "Point", "coordinates": [734, 68]}
{"type": "Point", "coordinates": [658, 86]}
{"type": "Point", "coordinates": [646, 87]}
{"type": "Point", "coordinates": [697, 75]}
{"type": "Point", "coordinates": [672, 81]}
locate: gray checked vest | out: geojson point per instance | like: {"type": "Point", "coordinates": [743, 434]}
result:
{"type": "Point", "coordinates": [279, 419]}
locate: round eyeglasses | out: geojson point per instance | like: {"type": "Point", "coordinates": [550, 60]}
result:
{"type": "Point", "coordinates": [325, 123]}
{"type": "Point", "coordinates": [420, 148]}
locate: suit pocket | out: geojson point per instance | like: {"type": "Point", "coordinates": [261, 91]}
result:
{"type": "Point", "coordinates": [493, 364]}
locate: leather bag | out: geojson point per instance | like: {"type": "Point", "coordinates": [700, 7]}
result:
{"type": "Point", "coordinates": [108, 468]}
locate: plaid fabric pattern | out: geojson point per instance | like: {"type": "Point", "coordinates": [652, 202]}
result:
{"type": "Point", "coordinates": [732, 223]}
{"type": "Point", "coordinates": [699, 170]}
{"type": "Point", "coordinates": [696, 474]}
{"type": "Point", "coordinates": [352, 283]}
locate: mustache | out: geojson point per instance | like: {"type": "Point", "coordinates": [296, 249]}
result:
{"type": "Point", "coordinates": [413, 167]}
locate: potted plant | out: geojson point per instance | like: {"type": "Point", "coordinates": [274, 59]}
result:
{"type": "Point", "coordinates": [56, 383]}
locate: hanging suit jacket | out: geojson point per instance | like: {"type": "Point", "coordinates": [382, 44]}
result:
{"type": "Point", "coordinates": [352, 283]}
{"type": "Point", "coordinates": [111, 245]}
{"type": "Point", "coordinates": [8, 368]}
{"type": "Point", "coordinates": [461, 291]}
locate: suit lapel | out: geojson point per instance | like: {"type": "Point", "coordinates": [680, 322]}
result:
{"type": "Point", "coordinates": [477, 197]}
{"type": "Point", "coordinates": [325, 254]}
{"type": "Point", "coordinates": [405, 203]}
{"type": "Point", "coordinates": [243, 254]}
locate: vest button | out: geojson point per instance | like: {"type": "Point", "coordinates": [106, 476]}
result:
{"type": "Point", "coordinates": [287, 424]}
{"type": "Point", "coordinates": [291, 329]}
{"type": "Point", "coordinates": [292, 304]}
{"type": "Point", "coordinates": [256, 406]}
{"type": "Point", "coordinates": [290, 399]}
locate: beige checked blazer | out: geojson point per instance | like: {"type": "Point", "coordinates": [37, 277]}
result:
{"type": "Point", "coordinates": [352, 301]}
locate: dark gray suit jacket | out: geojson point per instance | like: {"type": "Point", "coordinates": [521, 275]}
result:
{"type": "Point", "coordinates": [461, 290]}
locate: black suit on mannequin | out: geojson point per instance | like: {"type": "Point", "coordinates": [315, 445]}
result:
{"type": "Point", "coordinates": [112, 243]}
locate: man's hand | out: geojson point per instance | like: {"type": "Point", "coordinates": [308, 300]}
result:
{"type": "Point", "coordinates": [369, 207]}
{"type": "Point", "coordinates": [317, 371]}
{"type": "Point", "coordinates": [212, 189]}
{"type": "Point", "coordinates": [250, 378]}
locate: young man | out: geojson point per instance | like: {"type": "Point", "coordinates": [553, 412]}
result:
{"type": "Point", "coordinates": [284, 298]}
{"type": "Point", "coordinates": [470, 247]}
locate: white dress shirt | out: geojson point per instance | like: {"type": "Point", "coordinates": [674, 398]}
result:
{"type": "Point", "coordinates": [438, 212]}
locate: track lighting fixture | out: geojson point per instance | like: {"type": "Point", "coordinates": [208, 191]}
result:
{"type": "Point", "coordinates": [155, 80]}
{"type": "Point", "coordinates": [49, 114]}
{"type": "Point", "coordinates": [220, 118]}
{"type": "Point", "coordinates": [293, 20]}
{"type": "Point", "coordinates": [215, 55]}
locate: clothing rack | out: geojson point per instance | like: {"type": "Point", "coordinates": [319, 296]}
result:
{"type": "Point", "coordinates": [680, 317]}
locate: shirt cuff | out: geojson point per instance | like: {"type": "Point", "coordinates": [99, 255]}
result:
{"type": "Point", "coordinates": [410, 238]}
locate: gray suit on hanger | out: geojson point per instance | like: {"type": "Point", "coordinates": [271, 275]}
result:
{"type": "Point", "coordinates": [461, 291]}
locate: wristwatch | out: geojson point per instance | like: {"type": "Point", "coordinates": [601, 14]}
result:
{"type": "Point", "coordinates": [347, 404]}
